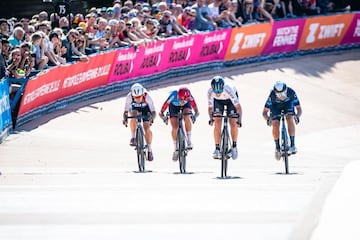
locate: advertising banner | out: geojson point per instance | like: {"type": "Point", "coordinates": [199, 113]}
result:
{"type": "Point", "coordinates": [248, 41]}
{"type": "Point", "coordinates": [174, 52]}
{"type": "Point", "coordinates": [353, 33]}
{"type": "Point", "coordinates": [326, 31]}
{"type": "Point", "coordinates": [64, 81]}
{"type": "Point", "coordinates": [5, 111]}
{"type": "Point", "coordinates": [285, 36]}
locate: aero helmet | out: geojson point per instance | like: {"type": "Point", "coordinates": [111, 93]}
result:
{"type": "Point", "coordinates": [184, 94]}
{"type": "Point", "coordinates": [217, 84]}
{"type": "Point", "coordinates": [137, 90]}
{"type": "Point", "coordinates": [280, 87]}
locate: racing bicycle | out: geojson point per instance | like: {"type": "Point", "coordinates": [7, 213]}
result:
{"type": "Point", "coordinates": [181, 139]}
{"type": "Point", "coordinates": [140, 147]}
{"type": "Point", "coordinates": [225, 142]}
{"type": "Point", "coordinates": [284, 138]}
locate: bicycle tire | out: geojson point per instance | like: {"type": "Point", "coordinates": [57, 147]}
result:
{"type": "Point", "coordinates": [285, 148]}
{"type": "Point", "coordinates": [180, 142]}
{"type": "Point", "coordinates": [224, 148]}
{"type": "Point", "coordinates": [140, 149]}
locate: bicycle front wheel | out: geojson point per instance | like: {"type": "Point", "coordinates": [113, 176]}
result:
{"type": "Point", "coordinates": [180, 144]}
{"type": "Point", "coordinates": [224, 150]}
{"type": "Point", "coordinates": [285, 150]}
{"type": "Point", "coordinates": [140, 149]}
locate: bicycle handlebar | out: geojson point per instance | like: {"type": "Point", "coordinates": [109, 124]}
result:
{"type": "Point", "coordinates": [137, 116]}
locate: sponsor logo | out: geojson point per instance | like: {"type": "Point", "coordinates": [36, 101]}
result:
{"type": "Point", "coordinates": [286, 36]}
{"type": "Point", "coordinates": [325, 31]}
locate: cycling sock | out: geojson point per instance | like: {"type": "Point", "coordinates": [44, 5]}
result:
{"type": "Point", "coordinates": [175, 145]}
{"type": "Point", "coordinates": [292, 141]}
{"type": "Point", "coordinates": [188, 135]}
{"type": "Point", "coordinates": [277, 144]}
{"type": "Point", "coordinates": [149, 147]}
{"type": "Point", "coordinates": [132, 134]}
{"type": "Point", "coordinates": [234, 145]}
{"type": "Point", "coordinates": [217, 146]}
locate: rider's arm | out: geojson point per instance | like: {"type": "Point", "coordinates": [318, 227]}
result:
{"type": "Point", "coordinates": [194, 106]}
{"type": "Point", "coordinates": [151, 105]}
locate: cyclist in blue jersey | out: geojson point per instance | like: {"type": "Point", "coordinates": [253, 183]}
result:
{"type": "Point", "coordinates": [282, 98]}
{"type": "Point", "coordinates": [177, 99]}
{"type": "Point", "coordinates": [138, 100]}
{"type": "Point", "coordinates": [219, 95]}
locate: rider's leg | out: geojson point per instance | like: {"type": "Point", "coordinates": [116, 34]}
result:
{"type": "Point", "coordinates": [276, 133]}
{"type": "Point", "coordinates": [148, 134]}
{"type": "Point", "coordinates": [234, 130]}
{"type": "Point", "coordinates": [291, 129]}
{"type": "Point", "coordinates": [188, 127]}
{"type": "Point", "coordinates": [174, 127]}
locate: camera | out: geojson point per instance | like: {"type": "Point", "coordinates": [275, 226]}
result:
{"type": "Point", "coordinates": [33, 55]}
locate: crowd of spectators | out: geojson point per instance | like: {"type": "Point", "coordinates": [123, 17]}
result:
{"type": "Point", "coordinates": [45, 40]}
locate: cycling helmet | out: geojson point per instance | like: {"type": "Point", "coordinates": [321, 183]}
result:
{"type": "Point", "coordinates": [184, 94]}
{"type": "Point", "coordinates": [217, 84]}
{"type": "Point", "coordinates": [280, 87]}
{"type": "Point", "coordinates": [137, 90]}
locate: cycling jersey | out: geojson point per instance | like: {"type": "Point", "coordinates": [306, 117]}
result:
{"type": "Point", "coordinates": [174, 101]}
{"type": "Point", "coordinates": [229, 93]}
{"type": "Point", "coordinates": [146, 106]}
{"type": "Point", "coordinates": [276, 105]}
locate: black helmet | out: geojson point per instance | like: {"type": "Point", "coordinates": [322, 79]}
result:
{"type": "Point", "coordinates": [217, 84]}
{"type": "Point", "coordinates": [280, 87]}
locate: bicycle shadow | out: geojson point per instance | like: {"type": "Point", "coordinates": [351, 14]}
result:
{"type": "Point", "coordinates": [145, 171]}
{"type": "Point", "coordinates": [228, 178]}
{"type": "Point", "coordinates": [290, 173]}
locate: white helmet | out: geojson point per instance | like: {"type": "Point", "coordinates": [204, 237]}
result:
{"type": "Point", "coordinates": [280, 87]}
{"type": "Point", "coordinates": [137, 90]}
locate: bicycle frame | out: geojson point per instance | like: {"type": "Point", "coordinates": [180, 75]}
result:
{"type": "Point", "coordinates": [140, 147]}
{"type": "Point", "coordinates": [225, 143]}
{"type": "Point", "coordinates": [284, 139]}
{"type": "Point", "coordinates": [181, 140]}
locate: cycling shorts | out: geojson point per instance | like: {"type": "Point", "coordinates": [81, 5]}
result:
{"type": "Point", "coordinates": [287, 107]}
{"type": "Point", "coordinates": [219, 107]}
{"type": "Point", "coordinates": [174, 110]}
{"type": "Point", "coordinates": [141, 108]}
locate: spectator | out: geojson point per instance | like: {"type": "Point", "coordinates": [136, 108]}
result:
{"type": "Point", "coordinates": [234, 16]}
{"type": "Point", "coordinates": [3, 64]}
{"type": "Point", "coordinates": [169, 27]}
{"type": "Point", "coordinates": [43, 16]}
{"type": "Point", "coordinates": [5, 49]}
{"type": "Point", "coordinates": [30, 30]}
{"type": "Point", "coordinates": [203, 20]}
{"type": "Point", "coordinates": [38, 47]}
{"type": "Point", "coordinates": [260, 13]}
{"type": "Point", "coordinates": [310, 8]}
{"type": "Point", "coordinates": [220, 14]}
{"type": "Point", "coordinates": [70, 53]}
{"type": "Point", "coordinates": [17, 37]}
{"type": "Point", "coordinates": [4, 28]}
{"type": "Point", "coordinates": [151, 29]}
{"type": "Point", "coordinates": [55, 46]}
{"type": "Point", "coordinates": [64, 24]}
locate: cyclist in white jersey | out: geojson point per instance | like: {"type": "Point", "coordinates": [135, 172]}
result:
{"type": "Point", "coordinates": [219, 95]}
{"type": "Point", "coordinates": [138, 100]}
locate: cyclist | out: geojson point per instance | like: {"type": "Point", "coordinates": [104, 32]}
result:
{"type": "Point", "coordinates": [138, 100]}
{"type": "Point", "coordinates": [282, 98]}
{"type": "Point", "coordinates": [219, 95]}
{"type": "Point", "coordinates": [177, 99]}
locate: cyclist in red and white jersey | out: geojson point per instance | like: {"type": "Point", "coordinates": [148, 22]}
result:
{"type": "Point", "coordinates": [219, 95]}
{"type": "Point", "coordinates": [176, 100]}
{"type": "Point", "coordinates": [139, 100]}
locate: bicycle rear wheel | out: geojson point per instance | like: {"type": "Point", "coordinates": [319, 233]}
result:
{"type": "Point", "coordinates": [285, 150]}
{"type": "Point", "coordinates": [140, 149]}
{"type": "Point", "coordinates": [180, 142]}
{"type": "Point", "coordinates": [224, 148]}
